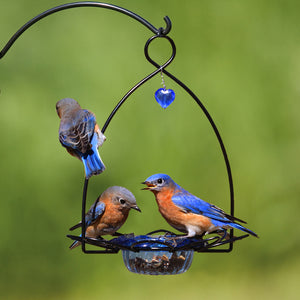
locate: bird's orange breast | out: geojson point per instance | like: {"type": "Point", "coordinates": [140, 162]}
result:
{"type": "Point", "coordinates": [171, 212]}
{"type": "Point", "coordinates": [178, 218]}
{"type": "Point", "coordinates": [111, 220]}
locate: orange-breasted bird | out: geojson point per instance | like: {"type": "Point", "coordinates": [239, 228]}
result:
{"type": "Point", "coordinates": [188, 213]}
{"type": "Point", "coordinates": [108, 213]}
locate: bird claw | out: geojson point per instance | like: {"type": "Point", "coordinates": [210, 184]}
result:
{"type": "Point", "coordinates": [171, 239]}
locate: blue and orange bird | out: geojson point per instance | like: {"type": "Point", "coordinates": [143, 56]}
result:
{"type": "Point", "coordinates": [187, 213]}
{"type": "Point", "coordinates": [108, 213]}
{"type": "Point", "coordinates": [80, 135]}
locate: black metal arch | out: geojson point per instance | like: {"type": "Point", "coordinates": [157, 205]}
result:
{"type": "Point", "coordinates": [159, 33]}
{"type": "Point", "coordinates": [85, 4]}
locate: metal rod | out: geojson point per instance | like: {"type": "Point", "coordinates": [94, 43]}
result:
{"type": "Point", "coordinates": [221, 143]}
{"type": "Point", "coordinates": [212, 123]}
{"type": "Point", "coordinates": [83, 227]}
{"type": "Point", "coordinates": [53, 10]}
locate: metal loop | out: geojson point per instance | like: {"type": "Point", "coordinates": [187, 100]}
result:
{"type": "Point", "coordinates": [146, 51]}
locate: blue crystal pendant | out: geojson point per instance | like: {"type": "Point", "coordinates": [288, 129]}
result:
{"type": "Point", "coordinates": [164, 97]}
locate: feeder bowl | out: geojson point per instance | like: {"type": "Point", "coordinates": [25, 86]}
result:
{"type": "Point", "coordinates": [155, 255]}
{"type": "Point", "coordinates": [150, 254]}
{"type": "Point", "coordinates": [158, 262]}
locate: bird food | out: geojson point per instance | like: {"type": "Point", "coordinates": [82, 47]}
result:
{"type": "Point", "coordinates": [158, 262]}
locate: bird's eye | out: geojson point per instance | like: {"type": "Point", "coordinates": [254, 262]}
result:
{"type": "Point", "coordinates": [122, 201]}
{"type": "Point", "coordinates": [159, 181]}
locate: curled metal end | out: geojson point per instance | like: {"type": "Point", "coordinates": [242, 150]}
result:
{"type": "Point", "coordinates": [165, 31]}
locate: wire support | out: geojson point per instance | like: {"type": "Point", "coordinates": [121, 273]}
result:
{"type": "Point", "coordinates": [162, 31]}
{"type": "Point", "coordinates": [167, 241]}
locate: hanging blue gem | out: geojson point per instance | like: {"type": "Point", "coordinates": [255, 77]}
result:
{"type": "Point", "coordinates": [164, 97]}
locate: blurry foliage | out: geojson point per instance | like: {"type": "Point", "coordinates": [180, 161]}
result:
{"type": "Point", "coordinates": [240, 57]}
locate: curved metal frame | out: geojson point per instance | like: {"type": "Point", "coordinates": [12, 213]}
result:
{"type": "Point", "coordinates": [84, 4]}
{"type": "Point", "coordinates": [159, 33]}
{"type": "Point", "coordinates": [172, 242]}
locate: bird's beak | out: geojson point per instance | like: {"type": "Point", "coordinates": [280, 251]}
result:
{"type": "Point", "coordinates": [136, 208]}
{"type": "Point", "coordinates": [149, 186]}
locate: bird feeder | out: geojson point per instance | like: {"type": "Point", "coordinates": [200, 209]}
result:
{"type": "Point", "coordinates": [159, 252]}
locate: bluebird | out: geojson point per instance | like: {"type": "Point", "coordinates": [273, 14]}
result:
{"type": "Point", "coordinates": [108, 213]}
{"type": "Point", "coordinates": [80, 135]}
{"type": "Point", "coordinates": [187, 213]}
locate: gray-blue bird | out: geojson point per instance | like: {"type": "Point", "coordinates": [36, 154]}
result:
{"type": "Point", "coordinates": [80, 135]}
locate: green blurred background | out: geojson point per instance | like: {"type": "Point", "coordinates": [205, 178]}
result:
{"type": "Point", "coordinates": [241, 58]}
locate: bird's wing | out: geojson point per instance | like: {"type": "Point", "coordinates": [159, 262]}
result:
{"type": "Point", "coordinates": [190, 203]}
{"type": "Point", "coordinates": [96, 210]}
{"type": "Point", "coordinates": [79, 135]}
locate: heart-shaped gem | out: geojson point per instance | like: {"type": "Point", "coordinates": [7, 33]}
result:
{"type": "Point", "coordinates": [164, 97]}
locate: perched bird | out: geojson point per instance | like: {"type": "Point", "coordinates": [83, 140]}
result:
{"type": "Point", "coordinates": [108, 213]}
{"type": "Point", "coordinates": [80, 135]}
{"type": "Point", "coordinates": [187, 213]}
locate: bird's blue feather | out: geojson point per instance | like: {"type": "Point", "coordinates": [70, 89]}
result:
{"type": "Point", "coordinates": [94, 213]}
{"type": "Point", "coordinates": [190, 203]}
{"type": "Point", "coordinates": [92, 162]}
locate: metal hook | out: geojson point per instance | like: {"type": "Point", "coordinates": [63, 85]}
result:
{"type": "Point", "coordinates": [165, 31]}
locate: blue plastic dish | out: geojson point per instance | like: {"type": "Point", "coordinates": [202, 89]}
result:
{"type": "Point", "coordinates": [154, 243]}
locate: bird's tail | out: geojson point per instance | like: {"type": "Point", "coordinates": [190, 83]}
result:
{"type": "Point", "coordinates": [75, 244]}
{"type": "Point", "coordinates": [240, 227]}
{"type": "Point", "coordinates": [92, 162]}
